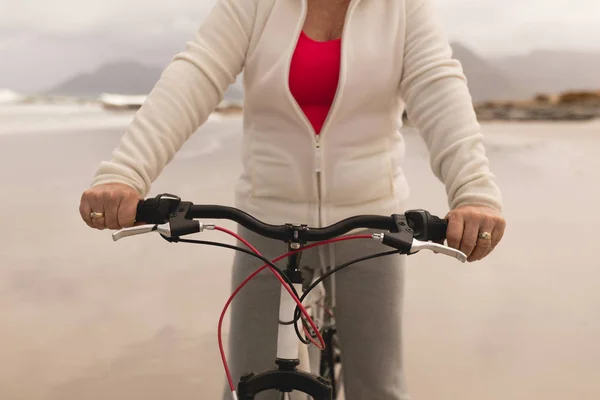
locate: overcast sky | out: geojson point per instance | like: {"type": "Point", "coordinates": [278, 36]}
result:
{"type": "Point", "coordinates": [43, 41]}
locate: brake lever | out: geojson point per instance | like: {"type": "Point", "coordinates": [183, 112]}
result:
{"type": "Point", "coordinates": [168, 230]}
{"type": "Point", "coordinates": [418, 245]}
{"type": "Point", "coordinates": [406, 244]}
{"type": "Point", "coordinates": [164, 229]}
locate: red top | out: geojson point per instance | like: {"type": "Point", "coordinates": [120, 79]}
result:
{"type": "Point", "coordinates": [314, 76]}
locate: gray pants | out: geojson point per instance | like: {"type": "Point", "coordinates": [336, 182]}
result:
{"type": "Point", "coordinates": [368, 312]}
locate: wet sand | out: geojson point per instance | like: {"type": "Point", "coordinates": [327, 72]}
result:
{"type": "Point", "coordinates": [83, 317]}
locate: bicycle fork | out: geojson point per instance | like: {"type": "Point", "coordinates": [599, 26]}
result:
{"type": "Point", "coordinates": [287, 378]}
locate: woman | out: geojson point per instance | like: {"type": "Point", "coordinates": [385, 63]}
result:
{"type": "Point", "coordinates": [325, 82]}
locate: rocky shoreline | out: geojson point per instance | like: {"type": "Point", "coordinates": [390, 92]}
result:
{"type": "Point", "coordinates": [568, 106]}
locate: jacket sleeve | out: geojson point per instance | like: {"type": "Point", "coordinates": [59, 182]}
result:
{"type": "Point", "coordinates": [188, 91]}
{"type": "Point", "coordinates": [439, 104]}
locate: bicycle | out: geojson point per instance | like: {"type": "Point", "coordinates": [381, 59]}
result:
{"type": "Point", "coordinates": [301, 371]}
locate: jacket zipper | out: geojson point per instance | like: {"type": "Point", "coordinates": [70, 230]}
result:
{"type": "Point", "coordinates": [314, 137]}
{"type": "Point", "coordinates": [318, 154]}
{"type": "Point", "coordinates": [318, 168]}
{"type": "Point", "coordinates": [334, 105]}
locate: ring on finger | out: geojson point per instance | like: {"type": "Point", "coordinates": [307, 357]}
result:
{"type": "Point", "coordinates": [484, 236]}
{"type": "Point", "coordinates": [96, 215]}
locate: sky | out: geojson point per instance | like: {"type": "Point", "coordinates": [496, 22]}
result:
{"type": "Point", "coordinates": [43, 42]}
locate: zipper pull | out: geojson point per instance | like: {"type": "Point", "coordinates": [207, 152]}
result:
{"type": "Point", "coordinates": [318, 156]}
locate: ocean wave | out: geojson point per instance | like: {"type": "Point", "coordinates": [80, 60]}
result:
{"type": "Point", "coordinates": [63, 118]}
{"type": "Point", "coordinates": [9, 97]}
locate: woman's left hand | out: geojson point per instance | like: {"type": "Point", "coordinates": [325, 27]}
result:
{"type": "Point", "coordinates": [474, 230]}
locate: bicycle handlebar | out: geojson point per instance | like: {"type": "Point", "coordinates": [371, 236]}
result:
{"type": "Point", "coordinates": [158, 210]}
{"type": "Point", "coordinates": [171, 217]}
{"type": "Point", "coordinates": [281, 232]}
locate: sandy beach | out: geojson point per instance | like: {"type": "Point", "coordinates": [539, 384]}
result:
{"type": "Point", "coordinates": [83, 317]}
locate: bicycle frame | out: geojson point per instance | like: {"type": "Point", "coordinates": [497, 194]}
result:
{"type": "Point", "coordinates": [294, 371]}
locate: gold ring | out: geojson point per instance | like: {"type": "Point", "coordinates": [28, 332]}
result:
{"type": "Point", "coordinates": [94, 215]}
{"type": "Point", "coordinates": [485, 236]}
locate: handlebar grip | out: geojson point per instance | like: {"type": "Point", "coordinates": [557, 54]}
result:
{"type": "Point", "coordinates": [436, 229]}
{"type": "Point", "coordinates": [146, 212]}
{"type": "Point", "coordinates": [427, 227]}
{"type": "Point", "coordinates": [157, 210]}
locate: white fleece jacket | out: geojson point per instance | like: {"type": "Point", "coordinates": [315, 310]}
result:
{"type": "Point", "coordinates": [394, 53]}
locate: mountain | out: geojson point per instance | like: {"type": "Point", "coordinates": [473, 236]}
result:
{"type": "Point", "coordinates": [133, 78]}
{"type": "Point", "coordinates": [516, 77]}
{"type": "Point", "coordinates": [127, 78]}
{"type": "Point", "coordinates": [521, 77]}
{"type": "Point", "coordinates": [121, 77]}
{"type": "Point", "coordinates": [486, 81]}
{"type": "Point", "coordinates": [553, 71]}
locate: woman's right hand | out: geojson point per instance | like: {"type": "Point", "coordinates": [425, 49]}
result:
{"type": "Point", "coordinates": [116, 201]}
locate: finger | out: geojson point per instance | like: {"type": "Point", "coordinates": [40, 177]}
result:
{"type": "Point", "coordinates": [483, 246]}
{"type": "Point", "coordinates": [498, 233]}
{"type": "Point", "coordinates": [491, 247]}
{"type": "Point", "coordinates": [99, 222]}
{"type": "Point", "coordinates": [454, 231]}
{"type": "Point", "coordinates": [97, 205]}
{"type": "Point", "coordinates": [111, 209]}
{"type": "Point", "coordinates": [127, 211]}
{"type": "Point", "coordinates": [469, 237]}
{"type": "Point", "coordinates": [85, 211]}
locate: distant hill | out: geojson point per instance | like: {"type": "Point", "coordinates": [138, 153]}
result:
{"type": "Point", "coordinates": [128, 78]}
{"type": "Point", "coordinates": [521, 77]}
{"type": "Point", "coordinates": [486, 81]}
{"type": "Point", "coordinates": [122, 78]}
{"type": "Point", "coordinates": [133, 78]}
{"type": "Point", "coordinates": [517, 77]}
{"type": "Point", "coordinates": [553, 71]}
